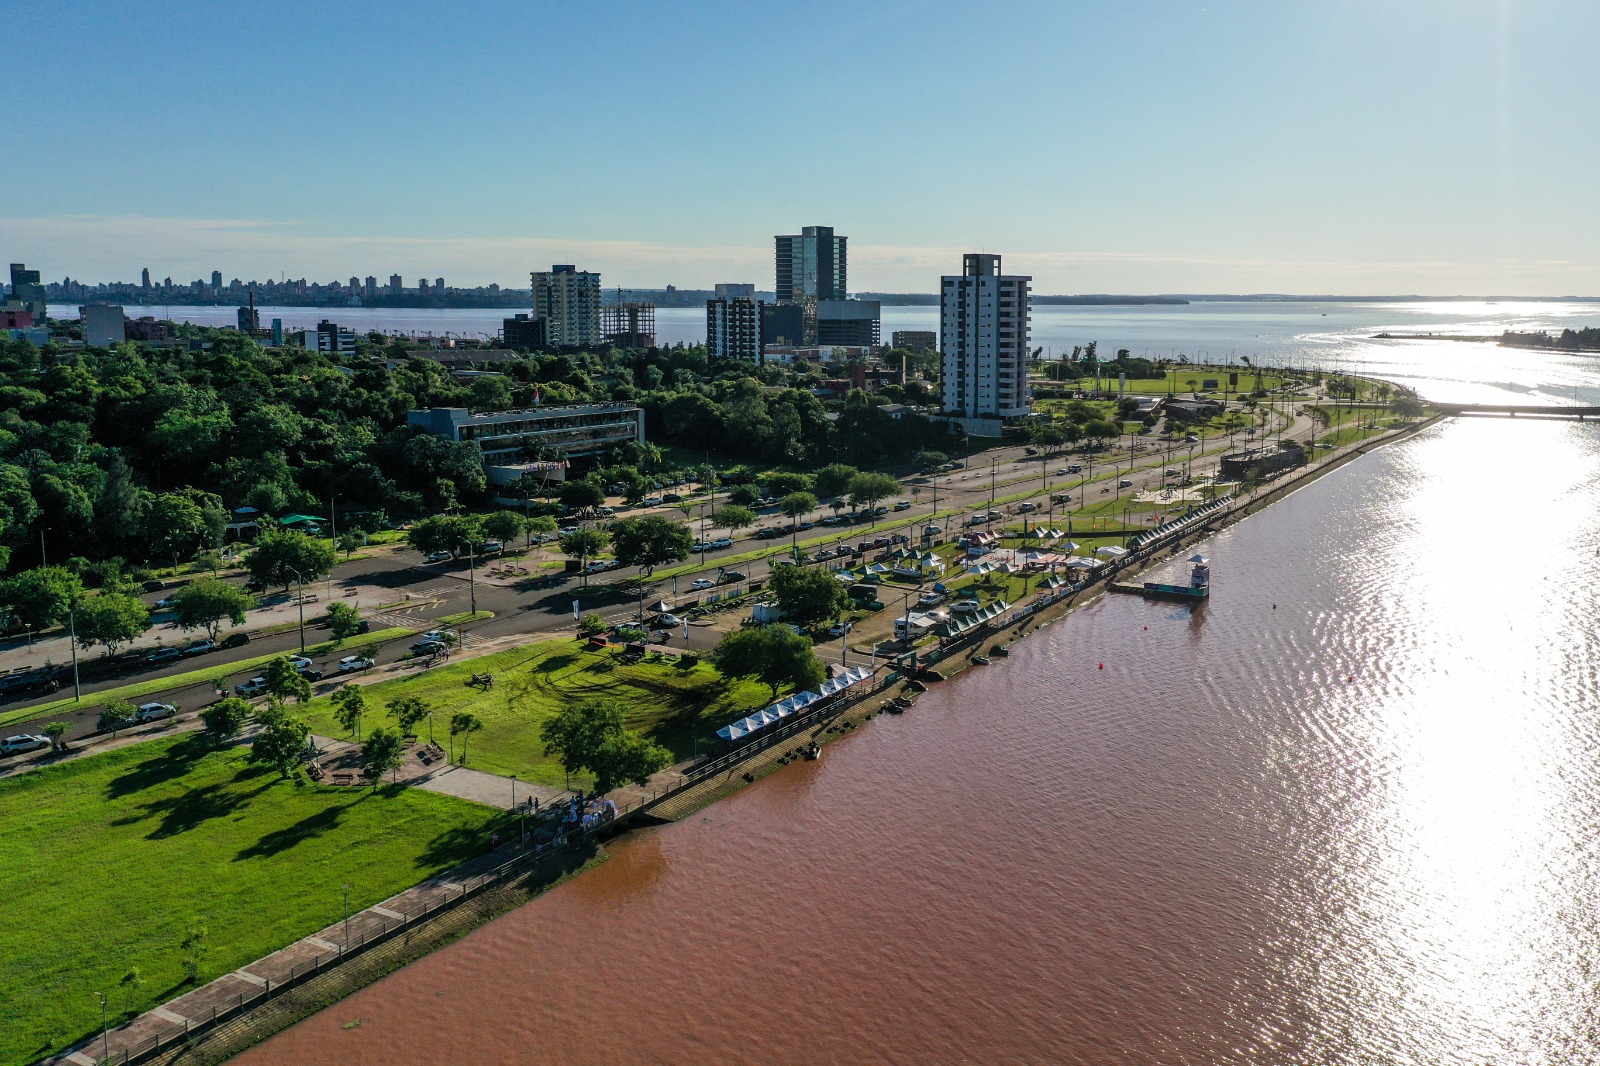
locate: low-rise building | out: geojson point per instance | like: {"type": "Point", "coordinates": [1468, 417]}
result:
{"type": "Point", "coordinates": [103, 324]}
{"type": "Point", "coordinates": [915, 340]}
{"type": "Point", "coordinates": [573, 430]}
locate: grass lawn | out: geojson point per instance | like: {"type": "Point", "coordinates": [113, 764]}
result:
{"type": "Point", "coordinates": [109, 860]}
{"type": "Point", "coordinates": [672, 705]}
{"type": "Point", "coordinates": [136, 689]}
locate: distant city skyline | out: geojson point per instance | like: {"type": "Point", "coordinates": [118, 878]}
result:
{"type": "Point", "coordinates": [1361, 148]}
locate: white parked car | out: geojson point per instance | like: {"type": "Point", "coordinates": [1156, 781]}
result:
{"type": "Point", "coordinates": [839, 629]}
{"type": "Point", "coordinates": [150, 712]}
{"type": "Point", "coordinates": [670, 621]}
{"type": "Point", "coordinates": [16, 745]}
{"type": "Point", "coordinates": [351, 663]}
{"type": "Point", "coordinates": [722, 542]}
{"type": "Point", "coordinates": [253, 687]}
{"type": "Point", "coordinates": [929, 599]}
{"type": "Point", "coordinates": [702, 583]}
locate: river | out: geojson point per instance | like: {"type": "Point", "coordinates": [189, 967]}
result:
{"type": "Point", "coordinates": [1347, 812]}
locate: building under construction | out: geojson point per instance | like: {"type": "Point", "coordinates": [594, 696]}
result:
{"type": "Point", "coordinates": [629, 325]}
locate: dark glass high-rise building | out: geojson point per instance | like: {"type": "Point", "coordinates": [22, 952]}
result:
{"type": "Point", "coordinates": [811, 266]}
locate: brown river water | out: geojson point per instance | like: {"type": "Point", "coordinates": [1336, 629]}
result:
{"type": "Point", "coordinates": [1347, 812]}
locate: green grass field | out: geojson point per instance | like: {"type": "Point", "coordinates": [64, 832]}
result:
{"type": "Point", "coordinates": [672, 705]}
{"type": "Point", "coordinates": [136, 689]}
{"type": "Point", "coordinates": [109, 859]}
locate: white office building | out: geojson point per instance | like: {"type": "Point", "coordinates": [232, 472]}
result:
{"type": "Point", "coordinates": [983, 344]}
{"type": "Point", "coordinates": [568, 299]}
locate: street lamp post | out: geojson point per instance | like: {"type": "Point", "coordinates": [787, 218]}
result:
{"type": "Point", "coordinates": [300, 602]}
{"type": "Point", "coordinates": [472, 580]}
{"type": "Point", "coordinates": [346, 890]}
{"type": "Point", "coordinates": [105, 1027]}
{"type": "Point", "coordinates": [72, 623]}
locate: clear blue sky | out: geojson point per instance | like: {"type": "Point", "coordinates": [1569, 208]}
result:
{"type": "Point", "coordinates": [1346, 146]}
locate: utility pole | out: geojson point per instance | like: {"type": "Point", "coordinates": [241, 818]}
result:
{"type": "Point", "coordinates": [105, 1027]}
{"type": "Point", "coordinates": [72, 623]}
{"type": "Point", "coordinates": [472, 579]}
{"type": "Point", "coordinates": [300, 601]}
{"type": "Point", "coordinates": [346, 890]}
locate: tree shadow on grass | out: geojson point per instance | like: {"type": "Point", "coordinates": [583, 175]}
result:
{"type": "Point", "coordinates": [455, 846]}
{"type": "Point", "coordinates": [557, 663]}
{"type": "Point", "coordinates": [194, 808]}
{"type": "Point", "coordinates": [281, 840]}
{"type": "Point", "coordinates": [172, 763]}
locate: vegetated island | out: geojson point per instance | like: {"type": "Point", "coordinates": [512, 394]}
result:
{"type": "Point", "coordinates": [1568, 340]}
{"type": "Point", "coordinates": [919, 299]}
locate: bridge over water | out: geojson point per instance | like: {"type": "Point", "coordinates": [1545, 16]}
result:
{"type": "Point", "coordinates": [1513, 410]}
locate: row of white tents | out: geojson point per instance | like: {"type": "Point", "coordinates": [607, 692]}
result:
{"type": "Point", "coordinates": [791, 705]}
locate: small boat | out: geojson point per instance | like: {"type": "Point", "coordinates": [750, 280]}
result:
{"type": "Point", "coordinates": [814, 752]}
{"type": "Point", "coordinates": [981, 660]}
{"type": "Point", "coordinates": [1001, 650]}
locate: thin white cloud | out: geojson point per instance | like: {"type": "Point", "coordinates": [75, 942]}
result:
{"type": "Point", "coordinates": [96, 247]}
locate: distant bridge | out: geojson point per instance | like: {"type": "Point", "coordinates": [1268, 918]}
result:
{"type": "Point", "coordinates": [1512, 410]}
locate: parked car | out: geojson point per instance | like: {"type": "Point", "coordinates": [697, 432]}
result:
{"type": "Point", "coordinates": [722, 542]}
{"type": "Point", "coordinates": [21, 742]}
{"type": "Point", "coordinates": [807, 525]}
{"type": "Point", "coordinates": [253, 687]}
{"type": "Point", "coordinates": [163, 604]}
{"type": "Point", "coordinates": [1075, 468]}
{"type": "Point", "coordinates": [492, 546]}
{"type": "Point", "coordinates": [1124, 483]}
{"type": "Point", "coordinates": [668, 621]}
{"type": "Point", "coordinates": [671, 497]}
{"type": "Point", "coordinates": [902, 505]}
{"type": "Point", "coordinates": [436, 557]}
{"type": "Point", "coordinates": [152, 712]}
{"type": "Point", "coordinates": [1026, 508]}
{"type": "Point", "coordinates": [254, 586]}
{"type": "Point", "coordinates": [351, 663]}
{"type": "Point", "coordinates": [929, 599]}
{"type": "Point", "coordinates": [700, 546]}
{"type": "Point", "coordinates": [1192, 439]}
{"type": "Point", "coordinates": [732, 575]}
{"type": "Point", "coordinates": [430, 647]}
{"type": "Point", "coordinates": [839, 629]}
{"type": "Point", "coordinates": [964, 606]}
{"type": "Point", "coordinates": [235, 640]}
{"type": "Point", "coordinates": [652, 501]}
{"type": "Point", "coordinates": [154, 586]}
{"type": "Point", "coordinates": [932, 531]}
{"type": "Point", "coordinates": [567, 530]}
{"type": "Point", "coordinates": [832, 520]}
{"type": "Point", "coordinates": [163, 655]}
{"type": "Point", "coordinates": [701, 583]}
{"type": "Point", "coordinates": [197, 647]}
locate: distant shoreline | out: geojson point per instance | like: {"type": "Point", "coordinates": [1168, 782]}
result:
{"type": "Point", "coordinates": [1526, 341]}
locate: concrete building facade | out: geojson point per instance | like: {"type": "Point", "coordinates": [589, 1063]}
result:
{"type": "Point", "coordinates": [983, 342]}
{"type": "Point", "coordinates": [568, 299]}
{"type": "Point", "coordinates": [733, 327]}
{"type": "Point", "coordinates": [571, 429]}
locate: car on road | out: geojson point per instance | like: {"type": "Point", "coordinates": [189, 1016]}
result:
{"type": "Point", "coordinates": [430, 647]}
{"type": "Point", "coordinates": [254, 586]}
{"type": "Point", "coordinates": [667, 621]}
{"type": "Point", "coordinates": [902, 505]}
{"type": "Point", "coordinates": [1192, 439]}
{"type": "Point", "coordinates": [492, 546]}
{"type": "Point", "coordinates": [700, 546]}
{"type": "Point", "coordinates": [436, 557]}
{"type": "Point", "coordinates": [197, 647]}
{"type": "Point", "coordinates": [651, 501]}
{"type": "Point", "coordinates": [305, 668]}
{"type": "Point", "coordinates": [154, 586]}
{"type": "Point", "coordinates": [1124, 483]}
{"type": "Point", "coordinates": [701, 583]}
{"type": "Point", "coordinates": [832, 520]}
{"type": "Point", "coordinates": [21, 742]}
{"type": "Point", "coordinates": [567, 531]}
{"type": "Point", "coordinates": [930, 599]}
{"type": "Point", "coordinates": [732, 575]}
{"type": "Point", "coordinates": [153, 712]}
{"type": "Point", "coordinates": [235, 640]}
{"type": "Point", "coordinates": [163, 604]}
{"type": "Point", "coordinates": [1030, 451]}
{"type": "Point", "coordinates": [351, 663]}
{"type": "Point", "coordinates": [839, 629]}
{"type": "Point", "coordinates": [253, 687]}
{"type": "Point", "coordinates": [722, 542]}
{"type": "Point", "coordinates": [163, 655]}
{"type": "Point", "coordinates": [671, 497]}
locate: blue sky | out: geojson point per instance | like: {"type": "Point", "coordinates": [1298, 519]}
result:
{"type": "Point", "coordinates": [1349, 146]}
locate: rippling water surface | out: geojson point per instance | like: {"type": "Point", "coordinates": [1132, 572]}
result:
{"type": "Point", "coordinates": [1346, 812]}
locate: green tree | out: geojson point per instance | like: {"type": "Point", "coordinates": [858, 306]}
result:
{"type": "Point", "coordinates": [456, 534]}
{"type": "Point", "coordinates": [773, 654]}
{"type": "Point", "coordinates": [54, 731]}
{"type": "Point", "coordinates": [130, 982]}
{"type": "Point", "coordinates": [407, 711]}
{"type": "Point", "coordinates": [504, 526]}
{"type": "Point", "coordinates": [795, 505]}
{"type": "Point", "coordinates": [207, 602]}
{"type": "Point", "coordinates": [225, 718]}
{"type": "Point", "coordinates": [349, 542]}
{"type": "Point", "coordinates": [540, 525]}
{"type": "Point", "coordinates": [743, 495]}
{"type": "Point", "coordinates": [785, 483]}
{"type": "Point", "coordinates": [282, 557]}
{"type": "Point", "coordinates": [582, 497]}
{"type": "Point", "coordinates": [349, 704]}
{"type": "Point", "coordinates": [808, 596]}
{"type": "Point", "coordinates": [650, 541]}
{"type": "Point", "coordinates": [41, 597]}
{"type": "Point", "coordinates": [382, 752]}
{"type": "Point", "coordinates": [111, 620]}
{"type": "Point", "coordinates": [282, 741]}
{"type": "Point", "coordinates": [734, 517]}
{"type": "Point", "coordinates": [179, 524]}
{"type": "Point", "coordinates": [591, 624]}
{"type": "Point", "coordinates": [867, 489]}
{"type": "Point", "coordinates": [929, 460]}
{"type": "Point", "coordinates": [344, 620]}
{"type": "Point", "coordinates": [115, 716]}
{"type": "Point", "coordinates": [583, 544]}
{"type": "Point", "coordinates": [286, 683]}
{"type": "Point", "coordinates": [463, 724]}
{"type": "Point", "coordinates": [194, 947]}
{"type": "Point", "coordinates": [834, 479]}
{"type": "Point", "coordinates": [592, 736]}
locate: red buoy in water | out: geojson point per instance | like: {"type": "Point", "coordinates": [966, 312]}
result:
{"type": "Point", "coordinates": [1102, 666]}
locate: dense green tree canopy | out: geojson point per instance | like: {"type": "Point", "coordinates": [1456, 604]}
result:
{"type": "Point", "coordinates": [592, 737]}
{"type": "Point", "coordinates": [650, 541]}
{"type": "Point", "coordinates": [772, 654]}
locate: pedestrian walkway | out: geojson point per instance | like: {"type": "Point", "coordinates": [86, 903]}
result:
{"type": "Point", "coordinates": [492, 790]}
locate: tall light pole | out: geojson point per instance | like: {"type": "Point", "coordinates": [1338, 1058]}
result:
{"type": "Point", "coordinates": [300, 601]}
{"type": "Point", "coordinates": [472, 580]}
{"type": "Point", "coordinates": [72, 624]}
{"type": "Point", "coordinates": [346, 890]}
{"type": "Point", "coordinates": [105, 1027]}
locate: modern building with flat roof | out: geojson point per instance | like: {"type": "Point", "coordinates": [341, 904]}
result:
{"type": "Point", "coordinates": [568, 299]}
{"type": "Point", "coordinates": [733, 328]}
{"type": "Point", "coordinates": [848, 322]}
{"type": "Point", "coordinates": [103, 324]}
{"type": "Point", "coordinates": [983, 345]}
{"type": "Point", "coordinates": [573, 430]}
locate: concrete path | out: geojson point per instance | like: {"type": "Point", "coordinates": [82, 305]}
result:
{"type": "Point", "coordinates": [491, 790]}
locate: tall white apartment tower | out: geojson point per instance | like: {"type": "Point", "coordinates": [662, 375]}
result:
{"type": "Point", "coordinates": [983, 341]}
{"type": "Point", "coordinates": [568, 299]}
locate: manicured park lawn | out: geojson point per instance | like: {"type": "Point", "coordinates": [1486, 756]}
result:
{"type": "Point", "coordinates": [670, 704]}
{"type": "Point", "coordinates": [108, 860]}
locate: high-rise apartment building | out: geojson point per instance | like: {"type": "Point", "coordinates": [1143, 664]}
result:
{"type": "Point", "coordinates": [848, 322]}
{"type": "Point", "coordinates": [397, 285]}
{"type": "Point", "coordinates": [355, 285]}
{"type": "Point", "coordinates": [216, 279]}
{"type": "Point", "coordinates": [27, 294]}
{"type": "Point", "coordinates": [983, 341]}
{"type": "Point", "coordinates": [144, 278]}
{"type": "Point", "coordinates": [438, 286]}
{"type": "Point", "coordinates": [568, 299]}
{"type": "Point", "coordinates": [733, 324]}
{"type": "Point", "coordinates": [371, 287]}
